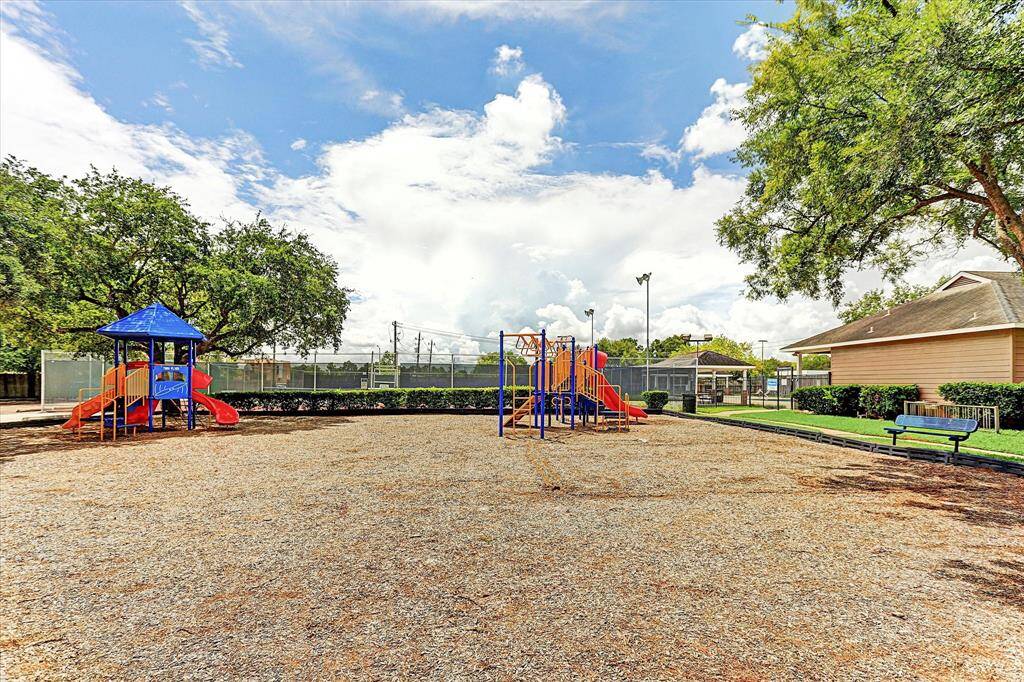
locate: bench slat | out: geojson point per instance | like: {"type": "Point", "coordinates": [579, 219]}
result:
{"type": "Point", "coordinates": [940, 423]}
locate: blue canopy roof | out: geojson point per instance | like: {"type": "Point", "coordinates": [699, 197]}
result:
{"type": "Point", "coordinates": [152, 322]}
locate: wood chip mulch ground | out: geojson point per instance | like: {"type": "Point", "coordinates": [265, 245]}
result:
{"type": "Point", "coordinates": [426, 547]}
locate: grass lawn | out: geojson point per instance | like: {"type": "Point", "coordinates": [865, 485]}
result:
{"type": "Point", "coordinates": [1008, 441]}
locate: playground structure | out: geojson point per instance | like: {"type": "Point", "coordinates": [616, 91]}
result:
{"type": "Point", "coordinates": [564, 382]}
{"type": "Point", "coordinates": [131, 392]}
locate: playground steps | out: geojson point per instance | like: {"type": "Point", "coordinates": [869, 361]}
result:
{"type": "Point", "coordinates": [609, 420]}
{"type": "Point", "coordinates": [521, 410]}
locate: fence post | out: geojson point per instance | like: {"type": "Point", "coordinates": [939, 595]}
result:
{"type": "Point", "coordinates": [453, 370]}
{"type": "Point", "coordinates": [314, 370]}
{"type": "Point", "coordinates": [42, 379]}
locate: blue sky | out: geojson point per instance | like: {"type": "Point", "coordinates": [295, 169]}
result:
{"type": "Point", "coordinates": [630, 80]}
{"type": "Point", "coordinates": [472, 166]}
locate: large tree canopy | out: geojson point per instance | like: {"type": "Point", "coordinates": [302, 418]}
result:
{"type": "Point", "coordinates": [877, 130]}
{"type": "Point", "coordinates": [77, 254]}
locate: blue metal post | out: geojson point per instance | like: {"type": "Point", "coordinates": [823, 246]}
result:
{"type": "Point", "coordinates": [152, 379]}
{"type": "Point", "coordinates": [117, 352]}
{"type": "Point", "coordinates": [188, 378]}
{"type": "Point", "coordinates": [572, 386]}
{"type": "Point", "coordinates": [501, 383]}
{"type": "Point", "coordinates": [543, 378]}
{"type": "Point", "coordinates": [535, 372]}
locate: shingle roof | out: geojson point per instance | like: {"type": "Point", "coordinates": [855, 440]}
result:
{"type": "Point", "coordinates": [152, 322]}
{"type": "Point", "coordinates": [708, 358]}
{"type": "Point", "coordinates": [968, 300]}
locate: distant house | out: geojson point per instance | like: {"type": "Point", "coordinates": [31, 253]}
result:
{"type": "Point", "coordinates": [969, 329]}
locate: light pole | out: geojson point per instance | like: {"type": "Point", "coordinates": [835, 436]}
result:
{"type": "Point", "coordinates": [696, 365]}
{"type": "Point", "coordinates": [589, 312]}
{"type": "Point", "coordinates": [641, 280]}
{"type": "Point", "coordinates": [764, 382]}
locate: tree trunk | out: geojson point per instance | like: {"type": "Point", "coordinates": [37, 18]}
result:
{"type": "Point", "coordinates": [1009, 224]}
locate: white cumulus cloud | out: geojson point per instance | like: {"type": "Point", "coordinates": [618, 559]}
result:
{"type": "Point", "coordinates": [298, 145]}
{"type": "Point", "coordinates": [752, 44]}
{"type": "Point", "coordinates": [717, 131]}
{"type": "Point", "coordinates": [508, 61]}
{"type": "Point", "coordinates": [447, 219]}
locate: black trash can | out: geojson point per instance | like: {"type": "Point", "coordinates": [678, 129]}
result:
{"type": "Point", "coordinates": [689, 403]}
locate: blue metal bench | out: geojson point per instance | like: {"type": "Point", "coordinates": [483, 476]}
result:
{"type": "Point", "coordinates": [957, 430]}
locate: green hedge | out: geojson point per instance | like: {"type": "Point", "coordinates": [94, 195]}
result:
{"type": "Point", "coordinates": [655, 400]}
{"type": "Point", "coordinates": [885, 401]}
{"type": "Point", "coordinates": [882, 401]}
{"type": "Point", "coordinates": [840, 401]}
{"type": "Point", "coordinates": [1008, 397]}
{"type": "Point", "coordinates": [366, 399]}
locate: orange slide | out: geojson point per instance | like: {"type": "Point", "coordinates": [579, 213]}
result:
{"type": "Point", "coordinates": [85, 409]}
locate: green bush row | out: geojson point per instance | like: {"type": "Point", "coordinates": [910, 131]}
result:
{"type": "Point", "coordinates": [366, 399]}
{"type": "Point", "coordinates": [655, 400]}
{"type": "Point", "coordinates": [833, 400]}
{"type": "Point", "coordinates": [883, 401]}
{"type": "Point", "coordinates": [1009, 398]}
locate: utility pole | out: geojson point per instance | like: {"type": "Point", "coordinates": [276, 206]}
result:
{"type": "Point", "coordinates": [419, 337]}
{"type": "Point", "coordinates": [430, 355]}
{"type": "Point", "coordinates": [394, 350]}
{"type": "Point", "coordinates": [394, 342]}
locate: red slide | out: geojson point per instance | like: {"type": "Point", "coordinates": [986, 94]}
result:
{"type": "Point", "coordinates": [610, 398]}
{"type": "Point", "coordinates": [140, 413]}
{"type": "Point", "coordinates": [223, 413]}
{"type": "Point", "coordinates": [608, 395]}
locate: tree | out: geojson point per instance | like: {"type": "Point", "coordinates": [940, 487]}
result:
{"type": "Point", "coordinates": [667, 347]}
{"type": "Point", "coordinates": [876, 301]}
{"type": "Point", "coordinates": [626, 349]}
{"type": "Point", "coordinates": [741, 350]}
{"type": "Point", "coordinates": [816, 362]}
{"type": "Point", "coordinates": [75, 255]}
{"type": "Point", "coordinates": [878, 130]}
{"type": "Point", "coordinates": [492, 358]}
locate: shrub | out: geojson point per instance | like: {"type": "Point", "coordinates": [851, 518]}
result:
{"type": "Point", "coordinates": [840, 401]}
{"type": "Point", "coordinates": [655, 400]}
{"type": "Point", "coordinates": [1008, 397]}
{"type": "Point", "coordinates": [885, 401]}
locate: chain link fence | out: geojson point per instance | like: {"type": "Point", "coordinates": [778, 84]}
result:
{"type": "Point", "coordinates": [64, 375]}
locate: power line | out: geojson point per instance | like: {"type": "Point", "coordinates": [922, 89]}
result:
{"type": "Point", "coordinates": [451, 334]}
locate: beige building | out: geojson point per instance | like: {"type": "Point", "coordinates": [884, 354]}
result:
{"type": "Point", "coordinates": [969, 329]}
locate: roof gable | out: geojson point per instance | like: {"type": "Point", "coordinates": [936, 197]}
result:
{"type": "Point", "coordinates": [708, 358]}
{"type": "Point", "coordinates": [152, 322]}
{"type": "Point", "coordinates": [967, 301]}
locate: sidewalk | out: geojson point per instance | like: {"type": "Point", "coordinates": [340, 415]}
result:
{"type": "Point", "coordinates": [27, 413]}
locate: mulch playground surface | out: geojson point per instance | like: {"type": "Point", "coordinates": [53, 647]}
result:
{"type": "Point", "coordinates": [426, 547]}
